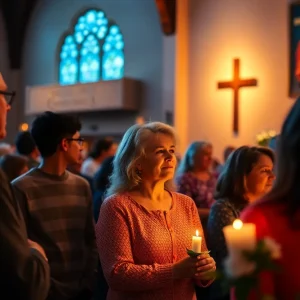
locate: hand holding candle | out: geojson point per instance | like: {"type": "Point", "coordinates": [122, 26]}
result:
{"type": "Point", "coordinates": [196, 243]}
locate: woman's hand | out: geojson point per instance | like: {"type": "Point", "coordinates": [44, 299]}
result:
{"type": "Point", "coordinates": [205, 266]}
{"type": "Point", "coordinates": [185, 268]}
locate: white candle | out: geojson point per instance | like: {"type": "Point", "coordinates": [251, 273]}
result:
{"type": "Point", "coordinates": [240, 237]}
{"type": "Point", "coordinates": [196, 242]}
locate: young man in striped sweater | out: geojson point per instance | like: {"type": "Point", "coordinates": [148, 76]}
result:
{"type": "Point", "coordinates": [57, 206]}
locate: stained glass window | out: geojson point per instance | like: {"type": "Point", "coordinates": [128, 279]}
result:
{"type": "Point", "coordinates": [94, 51]}
{"type": "Point", "coordinates": [113, 57]}
{"type": "Point", "coordinates": [68, 69]}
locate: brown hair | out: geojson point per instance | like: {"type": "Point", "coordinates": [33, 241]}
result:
{"type": "Point", "coordinates": [231, 184]}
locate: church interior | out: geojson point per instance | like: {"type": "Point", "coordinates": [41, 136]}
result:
{"type": "Point", "coordinates": [223, 74]}
{"type": "Point", "coordinates": [175, 57]}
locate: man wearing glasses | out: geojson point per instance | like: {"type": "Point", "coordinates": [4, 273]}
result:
{"type": "Point", "coordinates": [57, 206]}
{"type": "Point", "coordinates": [24, 271]}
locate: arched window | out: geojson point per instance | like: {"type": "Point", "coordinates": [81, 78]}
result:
{"type": "Point", "coordinates": [93, 51]}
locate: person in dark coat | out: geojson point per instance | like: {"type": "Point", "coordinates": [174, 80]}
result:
{"type": "Point", "coordinates": [24, 271]}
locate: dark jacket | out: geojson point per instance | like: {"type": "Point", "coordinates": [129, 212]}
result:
{"type": "Point", "coordinates": [24, 273]}
{"type": "Point", "coordinates": [222, 213]}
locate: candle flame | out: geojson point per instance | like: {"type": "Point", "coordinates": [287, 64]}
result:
{"type": "Point", "coordinates": [197, 233]}
{"type": "Point", "coordinates": [237, 224]}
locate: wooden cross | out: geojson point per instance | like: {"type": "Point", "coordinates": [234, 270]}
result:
{"type": "Point", "coordinates": [236, 84]}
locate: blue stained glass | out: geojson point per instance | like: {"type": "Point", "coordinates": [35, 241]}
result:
{"type": "Point", "coordinates": [89, 23]}
{"type": "Point", "coordinates": [89, 60]}
{"type": "Point", "coordinates": [113, 57]}
{"type": "Point", "coordinates": [68, 68]}
{"type": "Point", "coordinates": [81, 58]}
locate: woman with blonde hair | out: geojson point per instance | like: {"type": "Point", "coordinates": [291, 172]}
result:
{"type": "Point", "coordinates": [144, 228]}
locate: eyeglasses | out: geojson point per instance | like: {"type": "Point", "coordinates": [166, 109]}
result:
{"type": "Point", "coordinates": [9, 96]}
{"type": "Point", "coordinates": [80, 141]}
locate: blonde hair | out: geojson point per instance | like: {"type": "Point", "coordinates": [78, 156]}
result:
{"type": "Point", "coordinates": [125, 176]}
{"type": "Point", "coordinates": [187, 163]}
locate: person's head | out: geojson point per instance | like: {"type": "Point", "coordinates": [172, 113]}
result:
{"type": "Point", "coordinates": [247, 175]}
{"type": "Point", "coordinates": [13, 165]}
{"type": "Point", "coordinates": [58, 134]}
{"type": "Point", "coordinates": [101, 178]}
{"type": "Point", "coordinates": [227, 151]}
{"type": "Point", "coordinates": [145, 154]}
{"type": "Point", "coordinates": [198, 156]}
{"type": "Point", "coordinates": [286, 187]}
{"type": "Point", "coordinates": [4, 106]}
{"type": "Point", "coordinates": [103, 148]}
{"type": "Point", "coordinates": [25, 144]}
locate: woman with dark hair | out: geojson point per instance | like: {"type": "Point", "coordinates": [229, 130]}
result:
{"type": "Point", "coordinates": [247, 176]}
{"type": "Point", "coordinates": [277, 215]}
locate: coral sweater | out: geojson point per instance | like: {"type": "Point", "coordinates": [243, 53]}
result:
{"type": "Point", "coordinates": [138, 247]}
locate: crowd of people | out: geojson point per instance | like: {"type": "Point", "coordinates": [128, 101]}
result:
{"type": "Point", "coordinates": [117, 224]}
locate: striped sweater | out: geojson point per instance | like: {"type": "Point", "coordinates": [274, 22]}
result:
{"type": "Point", "coordinates": [58, 215]}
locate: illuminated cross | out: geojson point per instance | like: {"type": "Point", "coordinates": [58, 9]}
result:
{"type": "Point", "coordinates": [236, 84]}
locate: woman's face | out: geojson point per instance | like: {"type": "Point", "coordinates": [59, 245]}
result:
{"type": "Point", "coordinates": [203, 158]}
{"type": "Point", "coordinates": [260, 180]}
{"type": "Point", "coordinates": [159, 162]}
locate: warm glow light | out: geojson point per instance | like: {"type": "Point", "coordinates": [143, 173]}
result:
{"type": "Point", "coordinates": [24, 127]}
{"type": "Point", "coordinates": [197, 233]}
{"type": "Point", "coordinates": [237, 224]}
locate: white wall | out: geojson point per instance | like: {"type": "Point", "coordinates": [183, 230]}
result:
{"type": "Point", "coordinates": [140, 25]}
{"type": "Point", "coordinates": [256, 31]}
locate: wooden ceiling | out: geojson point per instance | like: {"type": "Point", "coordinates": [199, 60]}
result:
{"type": "Point", "coordinates": [16, 14]}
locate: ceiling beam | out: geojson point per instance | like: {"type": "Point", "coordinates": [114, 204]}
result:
{"type": "Point", "coordinates": [167, 15]}
{"type": "Point", "coordinates": [16, 16]}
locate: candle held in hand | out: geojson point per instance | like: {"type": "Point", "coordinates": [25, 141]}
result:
{"type": "Point", "coordinates": [240, 237]}
{"type": "Point", "coordinates": [196, 243]}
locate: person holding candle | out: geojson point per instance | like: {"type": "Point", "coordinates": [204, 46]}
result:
{"type": "Point", "coordinates": [247, 176]}
{"type": "Point", "coordinates": [144, 229]}
{"type": "Point", "coordinates": [277, 215]}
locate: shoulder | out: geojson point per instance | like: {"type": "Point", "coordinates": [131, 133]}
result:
{"type": "Point", "coordinates": [183, 201]}
{"type": "Point", "coordinates": [25, 179]}
{"type": "Point", "coordinates": [222, 211]}
{"type": "Point", "coordinates": [221, 204]}
{"type": "Point", "coordinates": [116, 202]}
{"type": "Point", "coordinates": [262, 214]}
{"type": "Point", "coordinates": [77, 179]}
{"type": "Point", "coordinates": [259, 211]}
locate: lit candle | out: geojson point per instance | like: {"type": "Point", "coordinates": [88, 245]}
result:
{"type": "Point", "coordinates": [196, 242]}
{"type": "Point", "coordinates": [240, 237]}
